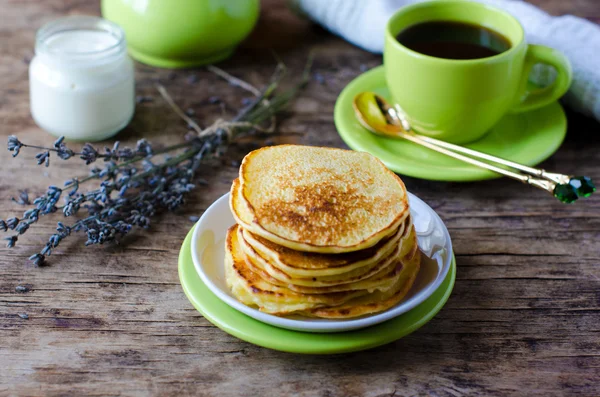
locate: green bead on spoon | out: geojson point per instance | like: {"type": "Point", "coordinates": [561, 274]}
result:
{"type": "Point", "coordinates": [583, 185]}
{"type": "Point", "coordinates": [578, 186]}
{"type": "Point", "coordinates": [565, 193]}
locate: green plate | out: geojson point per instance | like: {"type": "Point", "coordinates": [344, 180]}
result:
{"type": "Point", "coordinates": [527, 138]}
{"type": "Point", "coordinates": [253, 331]}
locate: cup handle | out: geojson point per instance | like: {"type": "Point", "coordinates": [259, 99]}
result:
{"type": "Point", "coordinates": [543, 96]}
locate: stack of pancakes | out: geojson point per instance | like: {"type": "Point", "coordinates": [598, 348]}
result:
{"type": "Point", "coordinates": [320, 232]}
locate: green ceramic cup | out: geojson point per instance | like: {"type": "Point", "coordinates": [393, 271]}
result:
{"type": "Point", "coordinates": [460, 100]}
{"type": "Point", "coordinates": [182, 33]}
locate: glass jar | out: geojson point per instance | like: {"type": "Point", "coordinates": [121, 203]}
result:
{"type": "Point", "coordinates": [81, 80]}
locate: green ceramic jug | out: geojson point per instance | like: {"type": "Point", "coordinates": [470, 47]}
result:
{"type": "Point", "coordinates": [182, 33]}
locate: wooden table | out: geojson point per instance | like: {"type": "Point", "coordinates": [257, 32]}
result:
{"type": "Point", "coordinates": [524, 318]}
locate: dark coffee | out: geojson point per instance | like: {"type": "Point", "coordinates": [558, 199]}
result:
{"type": "Point", "coordinates": [453, 40]}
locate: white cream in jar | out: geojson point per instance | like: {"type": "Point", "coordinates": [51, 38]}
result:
{"type": "Point", "coordinates": [81, 80]}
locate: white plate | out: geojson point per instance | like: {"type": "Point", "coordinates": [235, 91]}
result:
{"type": "Point", "coordinates": [208, 252]}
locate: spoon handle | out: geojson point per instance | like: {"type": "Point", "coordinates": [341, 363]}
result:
{"type": "Point", "coordinates": [528, 179]}
{"type": "Point", "coordinates": [554, 177]}
{"type": "Point", "coordinates": [399, 118]}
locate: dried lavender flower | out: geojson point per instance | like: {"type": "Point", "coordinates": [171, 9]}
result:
{"type": "Point", "coordinates": [62, 151]}
{"type": "Point", "coordinates": [22, 289]}
{"type": "Point", "coordinates": [12, 223]}
{"type": "Point", "coordinates": [32, 214]}
{"type": "Point", "coordinates": [14, 145]}
{"type": "Point", "coordinates": [24, 316]}
{"type": "Point", "coordinates": [23, 198]}
{"type": "Point", "coordinates": [12, 240]}
{"type": "Point", "coordinates": [38, 259]}
{"type": "Point", "coordinates": [135, 184]}
{"type": "Point", "coordinates": [22, 227]}
{"type": "Point", "coordinates": [89, 154]}
{"type": "Point", "coordinates": [43, 158]}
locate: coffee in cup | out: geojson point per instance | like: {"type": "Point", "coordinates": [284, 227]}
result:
{"type": "Point", "coordinates": [455, 67]}
{"type": "Point", "coordinates": [453, 40]}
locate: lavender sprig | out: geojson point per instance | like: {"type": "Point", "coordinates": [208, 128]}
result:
{"type": "Point", "coordinates": [135, 184]}
{"type": "Point", "coordinates": [88, 153]}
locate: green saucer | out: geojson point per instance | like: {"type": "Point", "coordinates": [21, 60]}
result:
{"type": "Point", "coordinates": [527, 138]}
{"type": "Point", "coordinates": [253, 331]}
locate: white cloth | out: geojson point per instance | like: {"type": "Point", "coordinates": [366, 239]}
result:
{"type": "Point", "coordinates": [362, 22]}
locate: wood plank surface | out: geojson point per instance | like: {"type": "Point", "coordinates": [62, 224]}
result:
{"type": "Point", "coordinates": [523, 320]}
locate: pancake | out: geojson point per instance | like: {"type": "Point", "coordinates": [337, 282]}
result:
{"type": "Point", "coordinates": [320, 232]}
{"type": "Point", "coordinates": [241, 211]}
{"type": "Point", "coordinates": [250, 289]}
{"type": "Point", "coordinates": [377, 301]}
{"type": "Point", "coordinates": [315, 199]}
{"type": "Point", "coordinates": [298, 264]}
{"type": "Point", "coordinates": [382, 278]}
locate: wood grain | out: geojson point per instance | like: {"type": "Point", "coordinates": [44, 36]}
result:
{"type": "Point", "coordinates": [524, 318]}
